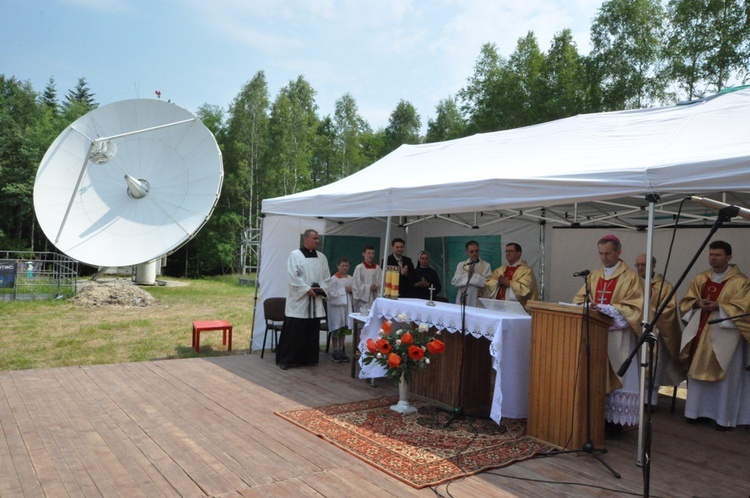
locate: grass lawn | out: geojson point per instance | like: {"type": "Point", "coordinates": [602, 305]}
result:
{"type": "Point", "coordinates": [45, 334]}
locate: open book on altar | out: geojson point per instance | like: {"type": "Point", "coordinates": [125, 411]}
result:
{"type": "Point", "coordinates": [510, 307]}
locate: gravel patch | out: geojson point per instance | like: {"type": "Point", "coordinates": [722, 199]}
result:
{"type": "Point", "coordinates": [112, 293]}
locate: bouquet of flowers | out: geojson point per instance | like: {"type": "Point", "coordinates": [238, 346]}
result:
{"type": "Point", "coordinates": [402, 350]}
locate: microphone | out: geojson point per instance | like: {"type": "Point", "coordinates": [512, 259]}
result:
{"type": "Point", "coordinates": [582, 273]}
{"type": "Point", "coordinates": [471, 262]}
{"type": "Point", "coordinates": [731, 210]}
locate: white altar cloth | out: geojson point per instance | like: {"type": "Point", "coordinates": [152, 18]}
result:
{"type": "Point", "coordinates": [509, 337]}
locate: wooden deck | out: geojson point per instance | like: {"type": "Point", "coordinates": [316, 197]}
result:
{"type": "Point", "coordinates": [205, 427]}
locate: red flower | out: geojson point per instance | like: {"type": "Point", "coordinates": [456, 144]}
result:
{"type": "Point", "coordinates": [386, 328]}
{"type": "Point", "coordinates": [407, 339]}
{"type": "Point", "coordinates": [371, 347]}
{"type": "Point", "coordinates": [416, 353]}
{"type": "Point", "coordinates": [436, 347]}
{"type": "Point", "coordinates": [383, 346]}
{"type": "Point", "coordinates": [394, 360]}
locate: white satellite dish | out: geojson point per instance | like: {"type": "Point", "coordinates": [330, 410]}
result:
{"type": "Point", "coordinates": [127, 183]}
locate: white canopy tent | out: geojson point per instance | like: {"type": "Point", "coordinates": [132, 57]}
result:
{"type": "Point", "coordinates": [697, 147]}
{"type": "Point", "coordinates": [594, 169]}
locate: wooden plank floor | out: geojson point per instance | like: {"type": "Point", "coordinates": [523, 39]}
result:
{"type": "Point", "coordinates": [205, 427]}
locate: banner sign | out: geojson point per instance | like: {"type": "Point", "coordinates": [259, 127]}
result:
{"type": "Point", "coordinates": [7, 274]}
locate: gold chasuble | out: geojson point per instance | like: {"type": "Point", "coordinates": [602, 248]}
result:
{"type": "Point", "coordinates": [623, 290]}
{"type": "Point", "coordinates": [522, 283]}
{"type": "Point", "coordinates": [626, 296]}
{"type": "Point", "coordinates": [668, 324]}
{"type": "Point", "coordinates": [706, 349]}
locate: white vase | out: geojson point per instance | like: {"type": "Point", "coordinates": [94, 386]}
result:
{"type": "Point", "coordinates": [403, 406]}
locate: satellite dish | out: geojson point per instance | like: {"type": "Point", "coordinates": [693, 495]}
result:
{"type": "Point", "coordinates": [127, 183]}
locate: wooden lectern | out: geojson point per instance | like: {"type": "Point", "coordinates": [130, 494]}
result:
{"type": "Point", "coordinates": [558, 383]}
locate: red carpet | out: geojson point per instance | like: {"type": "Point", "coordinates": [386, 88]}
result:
{"type": "Point", "coordinates": [419, 449]}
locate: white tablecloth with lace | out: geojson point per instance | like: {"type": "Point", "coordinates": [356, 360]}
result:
{"type": "Point", "coordinates": [509, 344]}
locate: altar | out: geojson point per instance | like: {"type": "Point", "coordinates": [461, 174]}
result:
{"type": "Point", "coordinates": [508, 344]}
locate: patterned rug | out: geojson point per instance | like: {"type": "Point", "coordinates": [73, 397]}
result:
{"type": "Point", "coordinates": [421, 449]}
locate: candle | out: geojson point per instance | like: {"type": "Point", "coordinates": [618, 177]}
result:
{"type": "Point", "coordinates": [388, 281]}
{"type": "Point", "coordinates": [394, 283]}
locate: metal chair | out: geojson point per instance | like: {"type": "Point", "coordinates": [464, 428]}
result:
{"type": "Point", "coordinates": [273, 310]}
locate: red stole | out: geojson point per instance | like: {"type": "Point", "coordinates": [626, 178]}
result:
{"type": "Point", "coordinates": [709, 291]}
{"type": "Point", "coordinates": [508, 273]}
{"type": "Point", "coordinates": [604, 290]}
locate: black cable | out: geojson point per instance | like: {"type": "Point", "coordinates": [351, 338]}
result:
{"type": "Point", "coordinates": [567, 483]}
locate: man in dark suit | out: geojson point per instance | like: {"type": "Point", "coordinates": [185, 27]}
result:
{"type": "Point", "coordinates": [405, 265]}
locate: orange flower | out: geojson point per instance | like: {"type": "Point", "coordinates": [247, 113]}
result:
{"type": "Point", "coordinates": [416, 353]}
{"type": "Point", "coordinates": [383, 346]}
{"type": "Point", "coordinates": [386, 328]}
{"type": "Point", "coordinates": [407, 339]}
{"type": "Point", "coordinates": [371, 347]}
{"type": "Point", "coordinates": [436, 347]}
{"type": "Point", "coordinates": [394, 360]}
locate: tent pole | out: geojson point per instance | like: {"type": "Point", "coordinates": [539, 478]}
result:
{"type": "Point", "coordinates": [646, 319]}
{"type": "Point", "coordinates": [257, 285]}
{"type": "Point", "coordinates": [542, 243]}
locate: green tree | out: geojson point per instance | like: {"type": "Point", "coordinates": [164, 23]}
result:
{"type": "Point", "coordinates": [79, 100]}
{"type": "Point", "coordinates": [246, 143]}
{"type": "Point", "coordinates": [627, 38]}
{"type": "Point", "coordinates": [292, 130]}
{"type": "Point", "coordinates": [26, 133]}
{"type": "Point", "coordinates": [564, 92]}
{"type": "Point", "coordinates": [483, 96]}
{"type": "Point", "coordinates": [325, 167]}
{"type": "Point", "coordinates": [526, 90]}
{"type": "Point", "coordinates": [349, 127]}
{"type": "Point", "coordinates": [49, 97]}
{"type": "Point", "coordinates": [373, 145]}
{"type": "Point", "coordinates": [214, 249]}
{"type": "Point", "coordinates": [687, 46]}
{"type": "Point", "coordinates": [708, 43]}
{"type": "Point", "coordinates": [448, 124]}
{"type": "Point", "coordinates": [403, 126]}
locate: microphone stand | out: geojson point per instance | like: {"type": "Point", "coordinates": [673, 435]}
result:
{"type": "Point", "coordinates": [458, 411]}
{"type": "Point", "coordinates": [588, 446]}
{"type": "Point", "coordinates": [719, 320]}
{"type": "Point", "coordinates": [725, 214]}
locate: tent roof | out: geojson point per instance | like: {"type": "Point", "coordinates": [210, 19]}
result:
{"type": "Point", "coordinates": [699, 147]}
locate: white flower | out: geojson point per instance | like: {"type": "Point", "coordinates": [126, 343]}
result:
{"type": "Point", "coordinates": [379, 355]}
{"type": "Point", "coordinates": [437, 332]}
{"type": "Point", "coordinates": [398, 342]}
{"type": "Point", "coordinates": [423, 327]}
{"type": "Point", "coordinates": [381, 332]}
{"type": "Point", "coordinates": [403, 317]}
{"type": "Point", "coordinates": [427, 361]}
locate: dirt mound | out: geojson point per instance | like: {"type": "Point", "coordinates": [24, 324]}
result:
{"type": "Point", "coordinates": [112, 293]}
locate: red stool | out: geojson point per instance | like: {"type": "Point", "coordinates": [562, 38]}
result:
{"type": "Point", "coordinates": [209, 325]}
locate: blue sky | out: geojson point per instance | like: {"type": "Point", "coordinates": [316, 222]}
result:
{"type": "Point", "coordinates": [203, 51]}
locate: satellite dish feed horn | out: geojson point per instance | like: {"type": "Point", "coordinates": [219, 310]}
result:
{"type": "Point", "coordinates": [137, 189]}
{"type": "Point", "coordinates": [172, 171]}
